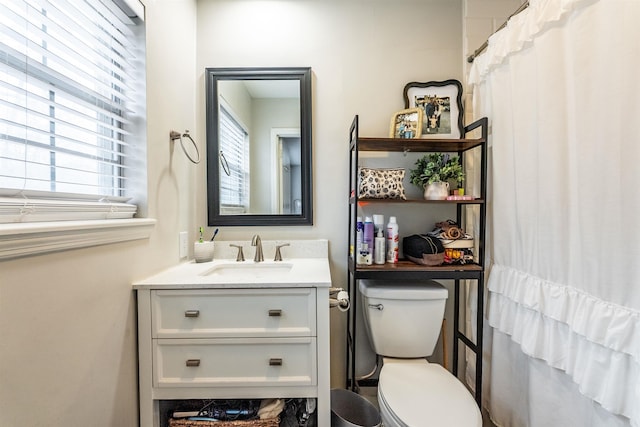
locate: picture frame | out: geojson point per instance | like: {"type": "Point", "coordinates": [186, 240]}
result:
{"type": "Point", "coordinates": [441, 105]}
{"type": "Point", "coordinates": [406, 124]}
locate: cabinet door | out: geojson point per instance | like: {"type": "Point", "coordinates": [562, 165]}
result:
{"type": "Point", "coordinates": [229, 362]}
{"type": "Point", "coordinates": [233, 313]}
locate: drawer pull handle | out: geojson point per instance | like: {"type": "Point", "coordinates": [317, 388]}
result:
{"type": "Point", "coordinates": [275, 361]}
{"type": "Point", "coordinates": [275, 313]}
{"type": "Point", "coordinates": [192, 313]}
{"type": "Point", "coordinates": [192, 363]}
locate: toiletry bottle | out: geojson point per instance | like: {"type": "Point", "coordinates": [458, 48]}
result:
{"type": "Point", "coordinates": [378, 224]}
{"type": "Point", "coordinates": [379, 253]}
{"type": "Point", "coordinates": [393, 240]}
{"type": "Point", "coordinates": [367, 241]}
{"type": "Point", "coordinates": [359, 237]}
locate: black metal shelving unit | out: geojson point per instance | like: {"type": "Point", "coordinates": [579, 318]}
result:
{"type": "Point", "coordinates": [406, 270]}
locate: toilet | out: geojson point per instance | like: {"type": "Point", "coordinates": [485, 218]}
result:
{"type": "Point", "coordinates": [403, 324]}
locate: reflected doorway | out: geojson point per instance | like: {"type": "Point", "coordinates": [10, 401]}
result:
{"type": "Point", "coordinates": [287, 171]}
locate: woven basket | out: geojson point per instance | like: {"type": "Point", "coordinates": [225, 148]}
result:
{"type": "Point", "coordinates": [269, 422]}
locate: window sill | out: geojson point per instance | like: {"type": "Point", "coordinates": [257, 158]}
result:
{"type": "Point", "coordinates": [34, 238]}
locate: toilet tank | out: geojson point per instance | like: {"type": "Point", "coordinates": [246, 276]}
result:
{"type": "Point", "coordinates": [403, 319]}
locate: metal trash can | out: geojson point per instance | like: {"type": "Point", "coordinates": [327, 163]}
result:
{"type": "Point", "coordinates": [349, 409]}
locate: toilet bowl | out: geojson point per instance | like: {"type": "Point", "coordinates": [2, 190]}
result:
{"type": "Point", "coordinates": [416, 393]}
{"type": "Point", "coordinates": [403, 324]}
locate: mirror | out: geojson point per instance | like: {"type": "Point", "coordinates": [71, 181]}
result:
{"type": "Point", "coordinates": [258, 124]}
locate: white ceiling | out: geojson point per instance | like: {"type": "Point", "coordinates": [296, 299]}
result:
{"type": "Point", "coordinates": [273, 88]}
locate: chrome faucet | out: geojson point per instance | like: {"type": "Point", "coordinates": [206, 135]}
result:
{"type": "Point", "coordinates": [240, 257]}
{"type": "Point", "coordinates": [257, 242]}
{"type": "Point", "coordinates": [278, 256]}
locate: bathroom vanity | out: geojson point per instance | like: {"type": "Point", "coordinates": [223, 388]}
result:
{"type": "Point", "coordinates": [230, 329]}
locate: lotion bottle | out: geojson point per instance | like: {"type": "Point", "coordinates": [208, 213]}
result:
{"type": "Point", "coordinates": [379, 253]}
{"type": "Point", "coordinates": [393, 240]}
{"type": "Point", "coordinates": [367, 241]}
{"type": "Point", "coordinates": [359, 239]}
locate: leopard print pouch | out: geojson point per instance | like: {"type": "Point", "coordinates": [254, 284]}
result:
{"type": "Point", "coordinates": [381, 183]}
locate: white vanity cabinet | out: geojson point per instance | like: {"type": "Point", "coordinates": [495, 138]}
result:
{"type": "Point", "coordinates": [219, 337]}
{"type": "Point", "coordinates": [232, 341]}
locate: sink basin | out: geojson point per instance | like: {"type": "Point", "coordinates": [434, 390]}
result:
{"type": "Point", "coordinates": [249, 270]}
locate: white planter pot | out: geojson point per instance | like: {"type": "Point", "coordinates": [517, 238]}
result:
{"type": "Point", "coordinates": [436, 191]}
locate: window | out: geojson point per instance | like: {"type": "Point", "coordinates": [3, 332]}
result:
{"type": "Point", "coordinates": [234, 175]}
{"type": "Point", "coordinates": [72, 98]}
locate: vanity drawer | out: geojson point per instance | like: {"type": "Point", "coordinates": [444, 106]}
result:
{"type": "Point", "coordinates": [240, 313]}
{"type": "Point", "coordinates": [228, 362]}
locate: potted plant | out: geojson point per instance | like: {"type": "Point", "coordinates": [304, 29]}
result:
{"type": "Point", "coordinates": [434, 171]}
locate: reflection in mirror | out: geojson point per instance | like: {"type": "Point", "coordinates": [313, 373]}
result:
{"type": "Point", "coordinates": [259, 146]}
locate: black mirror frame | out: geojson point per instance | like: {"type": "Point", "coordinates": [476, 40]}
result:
{"type": "Point", "coordinates": [303, 75]}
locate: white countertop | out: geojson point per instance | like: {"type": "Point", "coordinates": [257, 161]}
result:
{"type": "Point", "coordinates": [305, 264]}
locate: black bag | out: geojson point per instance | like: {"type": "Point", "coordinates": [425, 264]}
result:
{"type": "Point", "coordinates": [423, 249]}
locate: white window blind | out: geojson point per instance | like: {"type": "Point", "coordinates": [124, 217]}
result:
{"type": "Point", "coordinates": [72, 94]}
{"type": "Point", "coordinates": [234, 180]}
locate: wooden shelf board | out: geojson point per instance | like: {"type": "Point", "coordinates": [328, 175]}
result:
{"type": "Point", "coordinates": [454, 202]}
{"type": "Point", "coordinates": [417, 145]}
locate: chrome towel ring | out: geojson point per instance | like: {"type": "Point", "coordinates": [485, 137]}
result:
{"type": "Point", "coordinates": [173, 135]}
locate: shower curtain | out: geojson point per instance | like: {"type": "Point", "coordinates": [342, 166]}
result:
{"type": "Point", "coordinates": [560, 86]}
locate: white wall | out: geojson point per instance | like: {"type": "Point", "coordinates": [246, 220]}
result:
{"type": "Point", "coordinates": [268, 113]}
{"type": "Point", "coordinates": [362, 53]}
{"type": "Point", "coordinates": [481, 18]}
{"type": "Point", "coordinates": [68, 350]}
{"type": "Point", "coordinates": [67, 320]}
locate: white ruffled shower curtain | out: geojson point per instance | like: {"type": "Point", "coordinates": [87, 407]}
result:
{"type": "Point", "coordinates": [561, 88]}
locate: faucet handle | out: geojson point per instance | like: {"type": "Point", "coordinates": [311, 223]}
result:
{"type": "Point", "coordinates": [278, 253]}
{"type": "Point", "coordinates": [240, 256]}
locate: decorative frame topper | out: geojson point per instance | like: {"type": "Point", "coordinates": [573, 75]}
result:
{"type": "Point", "coordinates": [441, 106]}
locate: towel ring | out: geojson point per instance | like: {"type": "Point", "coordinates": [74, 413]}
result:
{"type": "Point", "coordinates": [173, 135]}
{"type": "Point", "coordinates": [225, 164]}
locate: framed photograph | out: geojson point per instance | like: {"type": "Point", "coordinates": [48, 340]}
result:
{"type": "Point", "coordinates": [441, 106]}
{"type": "Point", "coordinates": [406, 124]}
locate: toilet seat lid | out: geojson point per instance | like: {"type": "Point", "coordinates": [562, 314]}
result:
{"type": "Point", "coordinates": [427, 394]}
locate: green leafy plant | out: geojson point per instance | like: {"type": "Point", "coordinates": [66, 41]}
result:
{"type": "Point", "coordinates": [436, 167]}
